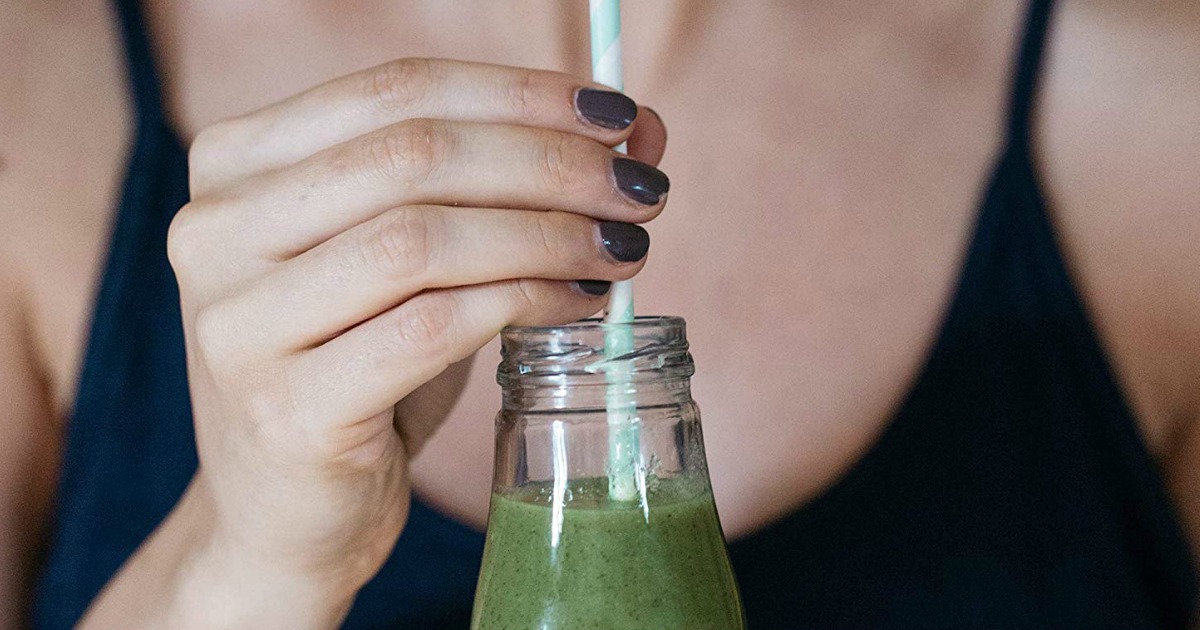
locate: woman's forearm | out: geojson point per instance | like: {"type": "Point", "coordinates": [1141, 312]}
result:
{"type": "Point", "coordinates": [181, 578]}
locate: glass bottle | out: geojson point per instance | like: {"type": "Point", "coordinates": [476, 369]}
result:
{"type": "Point", "coordinates": [602, 519]}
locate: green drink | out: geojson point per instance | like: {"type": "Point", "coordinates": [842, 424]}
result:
{"type": "Point", "coordinates": [602, 521]}
{"type": "Point", "coordinates": [612, 569]}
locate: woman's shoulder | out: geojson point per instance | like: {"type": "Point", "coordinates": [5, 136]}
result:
{"type": "Point", "coordinates": [1119, 142]}
{"type": "Point", "coordinates": [58, 57]}
{"type": "Point", "coordinates": [63, 115]}
{"type": "Point", "coordinates": [64, 129]}
{"type": "Point", "coordinates": [1119, 146]}
{"type": "Point", "coordinates": [62, 90]}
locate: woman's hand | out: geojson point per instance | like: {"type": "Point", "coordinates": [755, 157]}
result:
{"type": "Point", "coordinates": [341, 250]}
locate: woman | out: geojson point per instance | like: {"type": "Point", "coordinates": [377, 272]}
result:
{"type": "Point", "coordinates": [890, 258]}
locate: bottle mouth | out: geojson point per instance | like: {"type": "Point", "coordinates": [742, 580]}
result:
{"type": "Point", "coordinates": [597, 325]}
{"type": "Point", "coordinates": [651, 349]}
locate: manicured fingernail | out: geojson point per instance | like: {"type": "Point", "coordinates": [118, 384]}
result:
{"type": "Point", "coordinates": [640, 181]}
{"type": "Point", "coordinates": [594, 287]}
{"type": "Point", "coordinates": [611, 110]}
{"type": "Point", "coordinates": [625, 242]}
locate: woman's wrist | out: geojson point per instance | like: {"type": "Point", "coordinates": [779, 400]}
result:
{"type": "Point", "coordinates": [223, 586]}
{"type": "Point", "coordinates": [218, 593]}
{"type": "Point", "coordinates": [185, 577]}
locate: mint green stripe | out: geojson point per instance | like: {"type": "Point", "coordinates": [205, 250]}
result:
{"type": "Point", "coordinates": [606, 28]}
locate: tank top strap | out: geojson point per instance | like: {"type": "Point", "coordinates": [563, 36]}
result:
{"type": "Point", "coordinates": [139, 57]}
{"type": "Point", "coordinates": [1028, 71]}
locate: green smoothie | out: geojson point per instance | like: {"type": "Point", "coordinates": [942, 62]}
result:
{"type": "Point", "coordinates": [612, 569]}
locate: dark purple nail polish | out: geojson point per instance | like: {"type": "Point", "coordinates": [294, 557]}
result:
{"type": "Point", "coordinates": [625, 242]}
{"type": "Point", "coordinates": [594, 287]}
{"type": "Point", "coordinates": [640, 181]}
{"type": "Point", "coordinates": [611, 110]}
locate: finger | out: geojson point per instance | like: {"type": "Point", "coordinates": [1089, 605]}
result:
{"type": "Point", "coordinates": [440, 163]}
{"type": "Point", "coordinates": [364, 371]}
{"type": "Point", "coordinates": [648, 140]}
{"type": "Point", "coordinates": [379, 264]}
{"type": "Point", "coordinates": [356, 104]}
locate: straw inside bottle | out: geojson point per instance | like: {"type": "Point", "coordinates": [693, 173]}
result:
{"type": "Point", "coordinates": [625, 472]}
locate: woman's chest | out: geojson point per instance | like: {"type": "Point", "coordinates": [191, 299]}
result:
{"type": "Point", "coordinates": [821, 199]}
{"type": "Point", "coordinates": [812, 240]}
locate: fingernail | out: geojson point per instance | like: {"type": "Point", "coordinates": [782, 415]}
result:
{"type": "Point", "coordinates": [594, 287]}
{"type": "Point", "coordinates": [603, 108]}
{"type": "Point", "coordinates": [625, 242]}
{"type": "Point", "coordinates": [640, 181]}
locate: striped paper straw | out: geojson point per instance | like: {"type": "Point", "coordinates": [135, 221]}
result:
{"type": "Point", "coordinates": [624, 450]}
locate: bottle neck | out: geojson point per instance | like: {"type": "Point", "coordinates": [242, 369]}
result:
{"type": "Point", "coordinates": [596, 396]}
{"type": "Point", "coordinates": [593, 402]}
{"type": "Point", "coordinates": [571, 368]}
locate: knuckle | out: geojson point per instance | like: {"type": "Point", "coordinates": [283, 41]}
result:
{"type": "Point", "coordinates": [398, 86]}
{"type": "Point", "coordinates": [547, 236]}
{"type": "Point", "coordinates": [561, 161]}
{"type": "Point", "coordinates": [409, 152]}
{"type": "Point", "coordinates": [214, 329]}
{"type": "Point", "coordinates": [210, 143]}
{"type": "Point", "coordinates": [212, 152]}
{"type": "Point", "coordinates": [402, 244]}
{"type": "Point", "coordinates": [523, 294]}
{"type": "Point", "coordinates": [426, 324]}
{"type": "Point", "coordinates": [274, 415]}
{"type": "Point", "coordinates": [229, 358]}
{"type": "Point", "coordinates": [185, 236]}
{"type": "Point", "coordinates": [265, 408]}
{"type": "Point", "coordinates": [521, 95]}
{"type": "Point", "coordinates": [275, 419]}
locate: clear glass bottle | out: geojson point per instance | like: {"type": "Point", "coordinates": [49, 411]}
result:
{"type": "Point", "coordinates": [602, 519]}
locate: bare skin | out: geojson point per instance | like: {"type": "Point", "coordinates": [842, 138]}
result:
{"type": "Point", "coordinates": [890, 117]}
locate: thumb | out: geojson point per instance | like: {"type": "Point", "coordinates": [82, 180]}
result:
{"type": "Point", "coordinates": [648, 141]}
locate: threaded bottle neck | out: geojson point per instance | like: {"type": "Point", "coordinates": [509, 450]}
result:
{"type": "Point", "coordinates": [567, 368]}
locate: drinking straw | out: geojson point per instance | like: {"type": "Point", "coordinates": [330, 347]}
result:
{"type": "Point", "coordinates": [623, 449]}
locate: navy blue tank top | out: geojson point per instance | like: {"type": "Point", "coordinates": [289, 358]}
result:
{"type": "Point", "coordinates": [1012, 489]}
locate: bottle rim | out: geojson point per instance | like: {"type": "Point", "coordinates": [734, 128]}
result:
{"type": "Point", "coordinates": [575, 362]}
{"type": "Point", "coordinates": [596, 324]}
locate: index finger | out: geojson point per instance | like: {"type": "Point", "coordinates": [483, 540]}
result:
{"type": "Point", "coordinates": [356, 104]}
